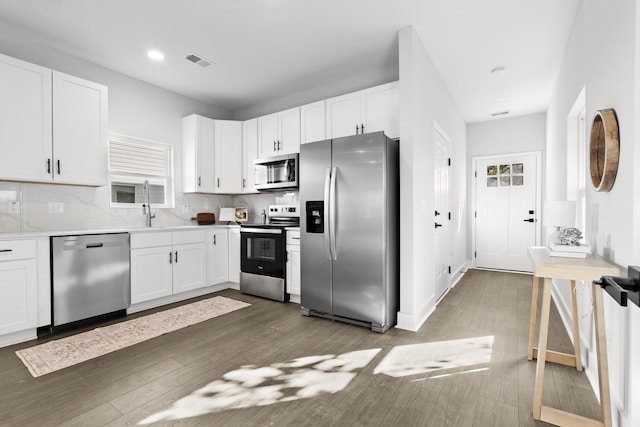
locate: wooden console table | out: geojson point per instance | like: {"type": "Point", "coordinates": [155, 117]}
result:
{"type": "Point", "coordinates": [572, 269]}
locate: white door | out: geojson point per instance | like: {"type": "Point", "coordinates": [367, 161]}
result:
{"type": "Point", "coordinates": [25, 121]}
{"type": "Point", "coordinates": [151, 273]}
{"type": "Point", "coordinates": [343, 115]}
{"type": "Point", "coordinates": [288, 131]}
{"type": "Point", "coordinates": [506, 212]}
{"type": "Point", "coordinates": [79, 130]}
{"type": "Point", "coordinates": [217, 257]}
{"type": "Point", "coordinates": [267, 135]}
{"type": "Point", "coordinates": [188, 267]}
{"type": "Point", "coordinates": [228, 156]}
{"type": "Point", "coordinates": [249, 154]}
{"type": "Point", "coordinates": [380, 110]}
{"type": "Point", "coordinates": [442, 213]}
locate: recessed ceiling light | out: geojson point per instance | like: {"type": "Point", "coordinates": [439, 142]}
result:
{"type": "Point", "coordinates": [497, 71]}
{"type": "Point", "coordinates": [156, 55]}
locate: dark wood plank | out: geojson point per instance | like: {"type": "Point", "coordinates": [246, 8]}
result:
{"type": "Point", "coordinates": [124, 387]}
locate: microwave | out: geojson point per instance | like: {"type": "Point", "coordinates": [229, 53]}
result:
{"type": "Point", "coordinates": [276, 173]}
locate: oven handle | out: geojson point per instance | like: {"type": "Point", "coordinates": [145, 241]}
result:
{"type": "Point", "coordinates": [260, 230]}
{"type": "Point", "coordinates": [327, 222]}
{"type": "Point", "coordinates": [332, 208]}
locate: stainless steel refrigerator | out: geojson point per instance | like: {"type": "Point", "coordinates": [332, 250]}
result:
{"type": "Point", "coordinates": [349, 230]}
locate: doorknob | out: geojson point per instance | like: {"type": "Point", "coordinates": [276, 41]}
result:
{"type": "Point", "coordinates": [438, 225]}
{"type": "Point", "coordinates": [530, 220]}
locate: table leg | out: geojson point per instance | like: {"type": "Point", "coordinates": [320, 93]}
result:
{"type": "Point", "coordinates": [576, 326]}
{"type": "Point", "coordinates": [542, 347]}
{"type": "Point", "coordinates": [534, 309]}
{"type": "Point", "coordinates": [601, 348]}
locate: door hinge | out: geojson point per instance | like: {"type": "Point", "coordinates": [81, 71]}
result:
{"type": "Point", "coordinates": [449, 269]}
{"type": "Point", "coordinates": [449, 161]}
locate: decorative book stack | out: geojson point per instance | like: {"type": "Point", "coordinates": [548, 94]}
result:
{"type": "Point", "coordinates": [569, 251]}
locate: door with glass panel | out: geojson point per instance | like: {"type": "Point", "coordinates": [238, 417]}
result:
{"type": "Point", "coordinates": [507, 203]}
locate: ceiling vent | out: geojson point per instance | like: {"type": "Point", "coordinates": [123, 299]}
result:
{"type": "Point", "coordinates": [198, 60]}
{"type": "Point", "coordinates": [499, 113]}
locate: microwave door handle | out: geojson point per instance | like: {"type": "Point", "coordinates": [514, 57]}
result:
{"type": "Point", "coordinates": [333, 209]}
{"type": "Point", "coordinates": [327, 223]}
{"type": "Point", "coordinates": [285, 171]}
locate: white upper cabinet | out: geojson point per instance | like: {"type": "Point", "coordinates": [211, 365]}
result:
{"type": "Point", "coordinates": [249, 154]}
{"type": "Point", "coordinates": [369, 110]}
{"type": "Point", "coordinates": [25, 120]}
{"type": "Point", "coordinates": [312, 122]}
{"type": "Point", "coordinates": [197, 154]}
{"type": "Point", "coordinates": [79, 131]}
{"type": "Point", "coordinates": [380, 109]}
{"type": "Point", "coordinates": [211, 155]}
{"type": "Point", "coordinates": [54, 124]}
{"type": "Point", "coordinates": [279, 133]}
{"type": "Point", "coordinates": [343, 115]}
{"type": "Point", "coordinates": [228, 156]}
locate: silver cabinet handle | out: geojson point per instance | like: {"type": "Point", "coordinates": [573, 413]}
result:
{"type": "Point", "coordinates": [218, 182]}
{"type": "Point", "coordinates": [199, 181]}
{"type": "Point", "coordinates": [6, 250]}
{"type": "Point", "coordinates": [170, 257]}
{"type": "Point", "coordinates": [58, 162]}
{"type": "Point", "coordinates": [176, 257]}
{"type": "Point", "coordinates": [48, 166]}
{"type": "Point", "coordinates": [214, 239]}
{"type": "Point", "coordinates": [274, 146]}
{"type": "Point", "coordinates": [244, 182]}
{"type": "Point", "coordinates": [361, 128]}
{"type": "Point", "coordinates": [357, 127]}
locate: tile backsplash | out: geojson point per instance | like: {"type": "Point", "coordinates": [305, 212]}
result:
{"type": "Point", "coordinates": [49, 207]}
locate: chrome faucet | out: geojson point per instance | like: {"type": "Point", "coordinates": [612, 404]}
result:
{"type": "Point", "coordinates": [146, 206]}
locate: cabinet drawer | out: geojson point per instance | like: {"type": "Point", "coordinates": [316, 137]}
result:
{"type": "Point", "coordinates": [150, 240]}
{"type": "Point", "coordinates": [189, 236]}
{"type": "Point", "coordinates": [293, 237]}
{"type": "Point", "coordinates": [17, 249]}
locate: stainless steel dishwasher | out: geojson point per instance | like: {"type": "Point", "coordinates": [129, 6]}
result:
{"type": "Point", "coordinates": [89, 277]}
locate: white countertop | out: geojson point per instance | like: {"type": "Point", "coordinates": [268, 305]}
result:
{"type": "Point", "coordinates": [106, 230]}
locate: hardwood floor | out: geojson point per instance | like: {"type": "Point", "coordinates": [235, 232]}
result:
{"type": "Point", "coordinates": [125, 387]}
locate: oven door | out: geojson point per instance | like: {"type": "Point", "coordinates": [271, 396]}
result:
{"type": "Point", "coordinates": [263, 251]}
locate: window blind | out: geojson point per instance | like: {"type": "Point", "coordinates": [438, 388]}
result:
{"type": "Point", "coordinates": [130, 158]}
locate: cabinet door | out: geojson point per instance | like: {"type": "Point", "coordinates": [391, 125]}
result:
{"type": "Point", "coordinates": [198, 154]}
{"type": "Point", "coordinates": [234, 255]}
{"type": "Point", "coordinates": [217, 257]}
{"type": "Point", "coordinates": [228, 156]}
{"type": "Point", "coordinates": [18, 299]}
{"type": "Point", "coordinates": [293, 269]}
{"type": "Point", "coordinates": [380, 109]}
{"type": "Point", "coordinates": [188, 267]}
{"type": "Point", "coordinates": [249, 154]}
{"type": "Point", "coordinates": [79, 131]}
{"type": "Point", "coordinates": [288, 131]}
{"type": "Point", "coordinates": [312, 122]}
{"type": "Point", "coordinates": [268, 135]}
{"type": "Point", "coordinates": [25, 120]}
{"type": "Point", "coordinates": [151, 273]}
{"type": "Point", "coordinates": [343, 115]}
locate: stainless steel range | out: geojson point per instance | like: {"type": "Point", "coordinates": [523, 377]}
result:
{"type": "Point", "coordinates": [263, 253]}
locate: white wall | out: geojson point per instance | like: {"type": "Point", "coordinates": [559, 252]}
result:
{"type": "Point", "coordinates": [602, 57]}
{"type": "Point", "coordinates": [423, 100]}
{"type": "Point", "coordinates": [502, 136]}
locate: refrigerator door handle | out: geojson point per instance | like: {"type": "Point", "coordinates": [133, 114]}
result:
{"type": "Point", "coordinates": [332, 208]}
{"type": "Point", "coordinates": [327, 191]}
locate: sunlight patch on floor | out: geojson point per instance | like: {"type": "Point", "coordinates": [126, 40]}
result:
{"type": "Point", "coordinates": [280, 382]}
{"type": "Point", "coordinates": [416, 359]}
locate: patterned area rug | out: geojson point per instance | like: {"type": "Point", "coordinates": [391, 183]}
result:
{"type": "Point", "coordinates": [57, 354]}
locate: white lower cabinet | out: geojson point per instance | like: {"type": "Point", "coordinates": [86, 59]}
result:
{"type": "Point", "coordinates": [18, 286]}
{"type": "Point", "coordinates": [217, 256]}
{"type": "Point", "coordinates": [234, 255]}
{"type": "Point", "coordinates": [293, 265]}
{"type": "Point", "coordinates": [166, 263]}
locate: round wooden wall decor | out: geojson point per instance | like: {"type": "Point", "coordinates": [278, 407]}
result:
{"type": "Point", "coordinates": [604, 149]}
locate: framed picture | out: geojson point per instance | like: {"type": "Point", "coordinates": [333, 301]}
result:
{"type": "Point", "coordinates": [241, 214]}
